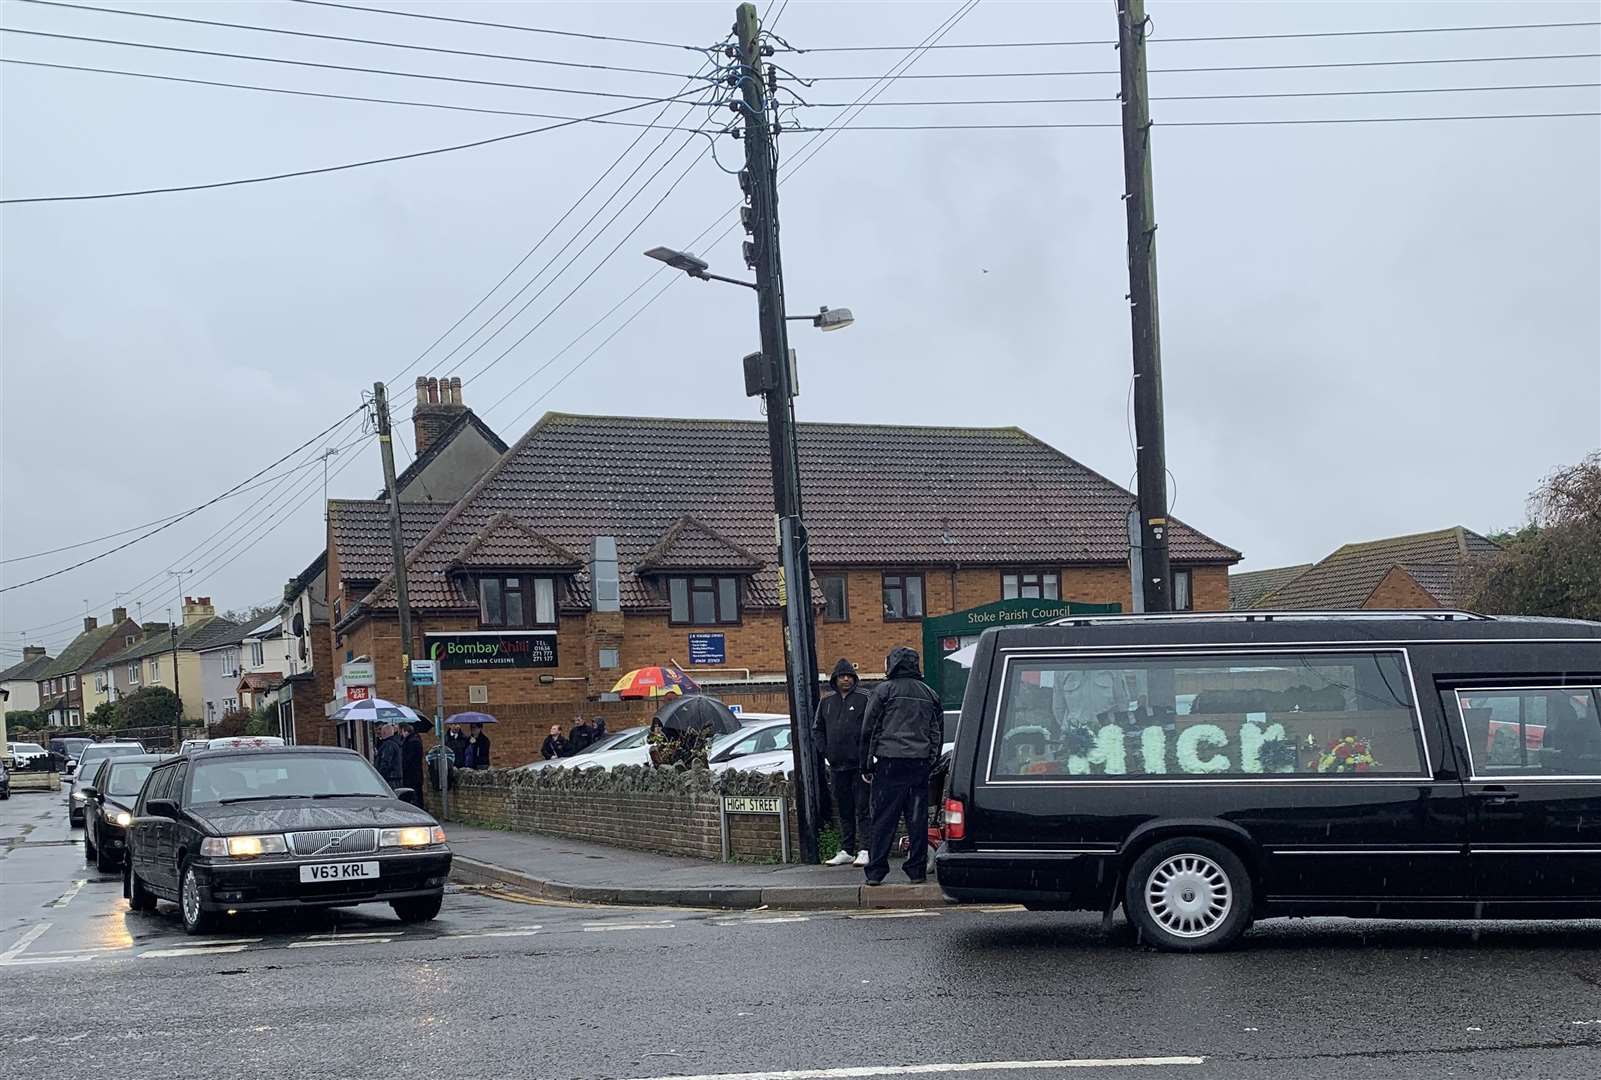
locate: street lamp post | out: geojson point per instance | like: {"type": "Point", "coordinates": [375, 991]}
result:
{"type": "Point", "coordinates": [770, 374]}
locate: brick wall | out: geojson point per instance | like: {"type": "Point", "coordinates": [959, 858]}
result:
{"type": "Point", "coordinates": [676, 815]}
{"type": "Point", "coordinates": [1398, 591]}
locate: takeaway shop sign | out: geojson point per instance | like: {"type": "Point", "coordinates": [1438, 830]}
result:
{"type": "Point", "coordinates": [493, 649]}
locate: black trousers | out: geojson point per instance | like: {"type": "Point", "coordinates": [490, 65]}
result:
{"type": "Point", "coordinates": [900, 791]}
{"type": "Point", "coordinates": [853, 799]}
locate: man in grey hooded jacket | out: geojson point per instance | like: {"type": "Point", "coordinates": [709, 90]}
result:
{"type": "Point", "coordinates": [902, 736]}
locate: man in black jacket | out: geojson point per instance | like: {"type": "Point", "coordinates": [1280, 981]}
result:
{"type": "Point", "coordinates": [582, 735]}
{"type": "Point", "coordinates": [837, 733]}
{"type": "Point", "coordinates": [901, 741]}
{"type": "Point", "coordinates": [555, 745]}
{"type": "Point", "coordinates": [411, 761]}
{"type": "Point", "coordinates": [387, 757]}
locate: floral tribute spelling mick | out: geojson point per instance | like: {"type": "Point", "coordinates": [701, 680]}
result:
{"type": "Point", "coordinates": [1198, 750]}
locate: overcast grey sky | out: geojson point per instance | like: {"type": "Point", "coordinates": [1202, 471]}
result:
{"type": "Point", "coordinates": [1367, 329]}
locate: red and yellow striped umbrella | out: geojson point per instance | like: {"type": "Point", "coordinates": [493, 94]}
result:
{"type": "Point", "coordinates": [650, 682]}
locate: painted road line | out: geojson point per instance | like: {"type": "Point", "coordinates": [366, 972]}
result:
{"type": "Point", "coordinates": [338, 936]}
{"type": "Point", "coordinates": [941, 1069]}
{"type": "Point", "coordinates": [24, 961]}
{"type": "Point", "coordinates": [66, 898]}
{"type": "Point", "coordinates": [590, 928]}
{"type": "Point", "coordinates": [29, 936]}
{"type": "Point", "coordinates": [762, 921]}
{"type": "Point", "coordinates": [490, 934]}
{"type": "Point", "coordinates": [192, 950]}
{"type": "Point", "coordinates": [898, 915]}
{"type": "Point", "coordinates": [341, 941]}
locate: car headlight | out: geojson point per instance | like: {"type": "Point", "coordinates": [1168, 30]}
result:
{"type": "Point", "coordinates": [116, 817]}
{"type": "Point", "coordinates": [411, 836]}
{"type": "Point", "coordinates": [244, 847]}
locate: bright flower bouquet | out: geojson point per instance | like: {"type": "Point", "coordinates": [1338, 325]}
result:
{"type": "Point", "coordinates": [1347, 754]}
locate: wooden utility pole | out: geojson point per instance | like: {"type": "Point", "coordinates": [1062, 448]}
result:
{"type": "Point", "coordinates": [397, 541]}
{"type": "Point", "coordinates": [777, 384]}
{"type": "Point", "coordinates": [1151, 451]}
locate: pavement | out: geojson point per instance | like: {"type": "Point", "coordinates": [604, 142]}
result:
{"type": "Point", "coordinates": [507, 984]}
{"type": "Point", "coordinates": [556, 869]}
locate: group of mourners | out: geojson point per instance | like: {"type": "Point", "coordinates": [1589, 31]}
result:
{"type": "Point", "coordinates": [586, 732]}
{"type": "Point", "coordinates": [398, 755]}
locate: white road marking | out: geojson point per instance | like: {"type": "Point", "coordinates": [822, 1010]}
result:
{"type": "Point", "coordinates": [29, 936]}
{"type": "Point", "coordinates": [23, 961]}
{"type": "Point", "coordinates": [767, 919]}
{"type": "Point", "coordinates": [66, 898]}
{"type": "Point", "coordinates": [192, 950]}
{"type": "Point", "coordinates": [338, 936]}
{"type": "Point", "coordinates": [590, 928]}
{"type": "Point", "coordinates": [341, 941]}
{"type": "Point", "coordinates": [897, 915]}
{"type": "Point", "coordinates": [492, 934]}
{"type": "Point", "coordinates": [940, 1069]}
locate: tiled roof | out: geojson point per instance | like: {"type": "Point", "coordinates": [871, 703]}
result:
{"type": "Point", "coordinates": [202, 635]}
{"type": "Point", "coordinates": [1348, 577]}
{"type": "Point", "coordinates": [78, 653]}
{"type": "Point", "coordinates": [1440, 580]}
{"type": "Point", "coordinates": [27, 670]}
{"type": "Point", "coordinates": [260, 680]}
{"type": "Point", "coordinates": [466, 418]}
{"type": "Point", "coordinates": [689, 544]}
{"type": "Point", "coordinates": [1247, 588]}
{"type": "Point", "coordinates": [360, 529]}
{"type": "Point", "coordinates": [874, 496]}
{"type": "Point", "coordinates": [507, 544]}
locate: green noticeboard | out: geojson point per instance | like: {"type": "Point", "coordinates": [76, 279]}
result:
{"type": "Point", "coordinates": [948, 633]}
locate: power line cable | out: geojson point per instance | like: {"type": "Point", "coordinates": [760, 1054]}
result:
{"type": "Point", "coordinates": [1219, 68]}
{"type": "Point", "coordinates": [646, 98]}
{"type": "Point", "coordinates": [326, 95]}
{"type": "Point", "coordinates": [354, 40]}
{"type": "Point", "coordinates": [1214, 123]}
{"type": "Point", "coordinates": [1210, 37]}
{"type": "Point", "coordinates": [186, 514]}
{"type": "Point", "coordinates": [332, 168]}
{"type": "Point", "coordinates": [499, 25]}
{"type": "Point", "coordinates": [1112, 98]}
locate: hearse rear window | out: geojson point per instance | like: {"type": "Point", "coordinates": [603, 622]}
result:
{"type": "Point", "coordinates": [1533, 731]}
{"type": "Point", "coordinates": [1326, 715]}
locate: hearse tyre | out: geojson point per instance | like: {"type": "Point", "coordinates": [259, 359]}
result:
{"type": "Point", "coordinates": [418, 909]}
{"type": "Point", "coordinates": [196, 919]}
{"type": "Point", "coordinates": [1188, 894]}
{"type": "Point", "coordinates": [133, 890]}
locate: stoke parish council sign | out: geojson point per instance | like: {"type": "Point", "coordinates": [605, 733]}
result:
{"type": "Point", "coordinates": [493, 649]}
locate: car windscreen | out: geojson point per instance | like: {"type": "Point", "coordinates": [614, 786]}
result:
{"type": "Point", "coordinates": [126, 780]}
{"type": "Point", "coordinates": [27, 748]}
{"type": "Point", "coordinates": [264, 775]}
{"type": "Point", "coordinates": [101, 751]}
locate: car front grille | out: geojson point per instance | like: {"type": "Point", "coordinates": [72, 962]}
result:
{"type": "Point", "coordinates": [334, 842]}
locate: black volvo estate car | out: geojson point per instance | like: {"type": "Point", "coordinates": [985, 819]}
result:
{"type": "Point", "coordinates": [302, 826]}
{"type": "Point", "coordinates": [1204, 771]}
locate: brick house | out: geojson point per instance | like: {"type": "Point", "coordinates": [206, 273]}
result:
{"type": "Point", "coordinates": [1421, 570]}
{"type": "Point", "coordinates": [905, 522]}
{"type": "Point", "coordinates": [61, 689]}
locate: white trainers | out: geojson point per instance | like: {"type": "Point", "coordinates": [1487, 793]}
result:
{"type": "Point", "coordinates": [842, 858]}
{"type": "Point", "coordinates": [861, 858]}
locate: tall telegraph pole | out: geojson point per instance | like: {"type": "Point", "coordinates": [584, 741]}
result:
{"type": "Point", "coordinates": [175, 625]}
{"type": "Point", "coordinates": [397, 543]}
{"type": "Point", "coordinates": [1151, 454]}
{"type": "Point", "coordinates": [760, 182]}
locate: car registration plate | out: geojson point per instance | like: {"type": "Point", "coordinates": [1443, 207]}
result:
{"type": "Point", "coordinates": [338, 871]}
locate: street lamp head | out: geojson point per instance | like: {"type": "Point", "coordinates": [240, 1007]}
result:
{"type": "Point", "coordinates": [679, 260]}
{"type": "Point", "coordinates": [833, 318]}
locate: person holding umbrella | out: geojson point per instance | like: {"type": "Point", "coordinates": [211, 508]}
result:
{"type": "Point", "coordinates": [457, 741]}
{"type": "Point", "coordinates": [478, 748]}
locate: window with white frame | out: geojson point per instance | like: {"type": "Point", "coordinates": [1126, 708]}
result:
{"type": "Point", "coordinates": [258, 654]}
{"type": "Point", "coordinates": [133, 673]}
{"type": "Point", "coordinates": [72, 682]}
{"type": "Point", "coordinates": [155, 669]}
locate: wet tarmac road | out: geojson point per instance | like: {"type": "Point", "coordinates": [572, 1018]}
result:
{"type": "Point", "coordinates": [500, 987]}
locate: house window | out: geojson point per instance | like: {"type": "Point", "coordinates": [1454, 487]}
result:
{"type": "Point", "coordinates": [133, 673]}
{"type": "Point", "coordinates": [127, 642]}
{"type": "Point", "coordinates": [610, 658]}
{"type": "Point", "coordinates": [258, 654]}
{"type": "Point", "coordinates": [903, 597]}
{"type": "Point", "coordinates": [72, 717]}
{"type": "Point", "coordinates": [1183, 599]}
{"type": "Point", "coordinates": [703, 601]}
{"type": "Point", "coordinates": [1031, 585]}
{"type": "Point", "coordinates": [72, 682]}
{"type": "Point", "coordinates": [836, 606]}
{"type": "Point", "coordinates": [155, 669]}
{"type": "Point", "coordinates": [100, 682]}
{"type": "Point", "coordinates": [516, 601]}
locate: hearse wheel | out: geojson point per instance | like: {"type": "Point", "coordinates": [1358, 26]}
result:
{"type": "Point", "coordinates": [1188, 895]}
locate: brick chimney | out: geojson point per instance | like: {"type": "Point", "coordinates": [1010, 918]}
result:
{"type": "Point", "coordinates": [119, 615]}
{"type": "Point", "coordinates": [32, 652]}
{"type": "Point", "coordinates": [438, 405]}
{"type": "Point", "coordinates": [197, 609]}
{"type": "Point", "coordinates": [89, 623]}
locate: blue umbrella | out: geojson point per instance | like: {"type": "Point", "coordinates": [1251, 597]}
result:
{"type": "Point", "coordinates": [471, 718]}
{"type": "Point", "coordinates": [378, 711]}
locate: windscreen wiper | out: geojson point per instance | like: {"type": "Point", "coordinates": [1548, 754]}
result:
{"type": "Point", "coordinates": [258, 798]}
{"type": "Point", "coordinates": [347, 795]}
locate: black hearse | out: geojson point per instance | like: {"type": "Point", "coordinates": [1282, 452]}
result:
{"type": "Point", "coordinates": [1205, 771]}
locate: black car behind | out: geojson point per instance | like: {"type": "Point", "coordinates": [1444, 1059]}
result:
{"type": "Point", "coordinates": [109, 798]}
{"type": "Point", "coordinates": [284, 827]}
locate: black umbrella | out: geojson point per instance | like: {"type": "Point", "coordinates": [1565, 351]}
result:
{"type": "Point", "coordinates": [697, 712]}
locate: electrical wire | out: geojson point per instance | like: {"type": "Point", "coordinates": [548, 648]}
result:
{"type": "Point", "coordinates": [499, 26]}
{"type": "Point", "coordinates": [330, 168]}
{"type": "Point", "coordinates": [1213, 37]}
{"type": "Point", "coordinates": [325, 94]}
{"type": "Point", "coordinates": [1112, 98]}
{"type": "Point", "coordinates": [354, 40]}
{"type": "Point", "coordinates": [1216, 123]}
{"type": "Point", "coordinates": [186, 514]}
{"type": "Point", "coordinates": [1222, 68]}
{"type": "Point", "coordinates": [646, 98]}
